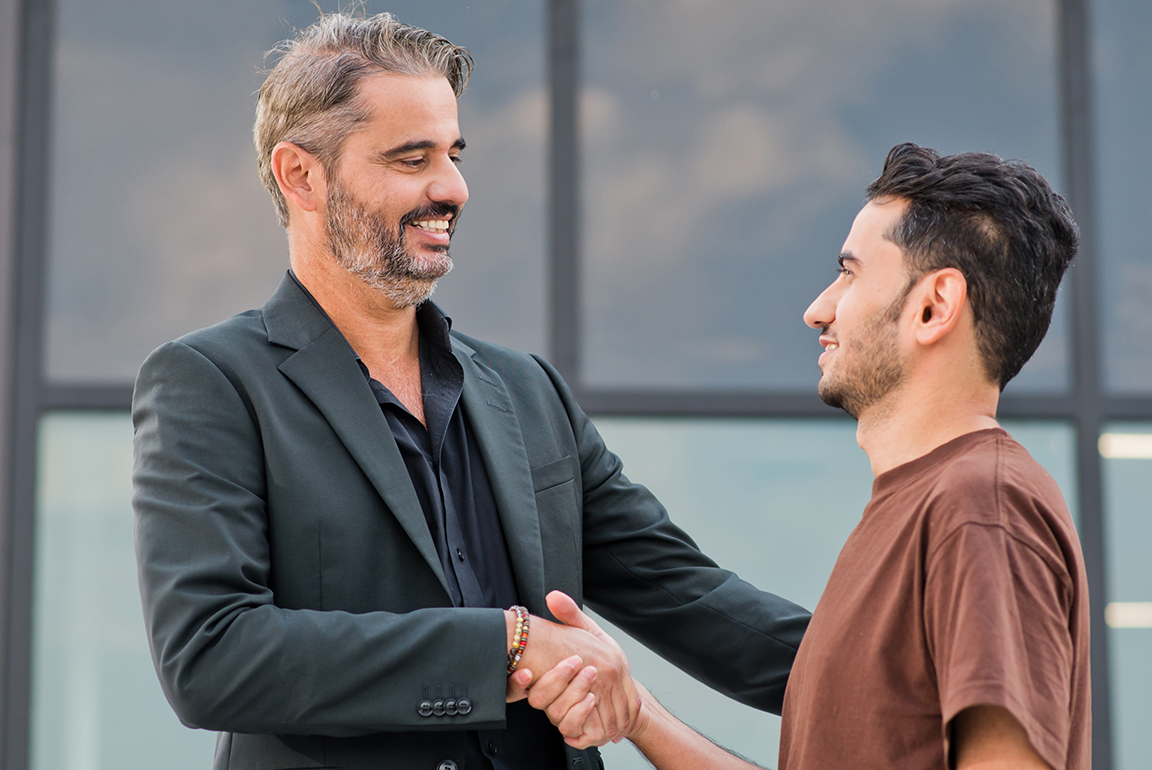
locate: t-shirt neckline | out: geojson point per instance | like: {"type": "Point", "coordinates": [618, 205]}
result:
{"type": "Point", "coordinates": [901, 474]}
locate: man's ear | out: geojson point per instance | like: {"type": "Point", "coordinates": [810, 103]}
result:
{"type": "Point", "coordinates": [941, 297]}
{"type": "Point", "coordinates": [300, 176]}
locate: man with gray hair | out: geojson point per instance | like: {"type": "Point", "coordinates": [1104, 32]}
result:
{"type": "Point", "coordinates": [349, 514]}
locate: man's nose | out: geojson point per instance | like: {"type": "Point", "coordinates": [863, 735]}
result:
{"type": "Point", "coordinates": [822, 311]}
{"type": "Point", "coordinates": [449, 186]}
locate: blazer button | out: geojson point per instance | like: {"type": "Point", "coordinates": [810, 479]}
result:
{"type": "Point", "coordinates": [425, 708]}
{"type": "Point", "coordinates": [447, 764]}
{"type": "Point", "coordinates": [450, 707]}
{"type": "Point", "coordinates": [463, 707]}
{"type": "Point", "coordinates": [438, 707]}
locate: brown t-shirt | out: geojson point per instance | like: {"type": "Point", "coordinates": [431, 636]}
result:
{"type": "Point", "coordinates": [963, 584]}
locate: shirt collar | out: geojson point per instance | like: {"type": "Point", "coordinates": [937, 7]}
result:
{"type": "Point", "coordinates": [434, 325]}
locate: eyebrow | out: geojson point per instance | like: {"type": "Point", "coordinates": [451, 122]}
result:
{"type": "Point", "coordinates": [420, 144]}
{"type": "Point", "coordinates": [846, 256]}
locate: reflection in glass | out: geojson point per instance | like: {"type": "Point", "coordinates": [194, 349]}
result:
{"type": "Point", "coordinates": [773, 500]}
{"type": "Point", "coordinates": [727, 147]}
{"type": "Point", "coordinates": [1128, 534]}
{"type": "Point", "coordinates": [1123, 163]}
{"type": "Point", "coordinates": [96, 701]}
{"type": "Point", "coordinates": [158, 222]}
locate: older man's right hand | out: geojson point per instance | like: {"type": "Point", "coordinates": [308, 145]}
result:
{"type": "Point", "coordinates": [586, 685]}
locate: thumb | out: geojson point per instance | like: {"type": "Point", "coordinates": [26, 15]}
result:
{"type": "Point", "coordinates": [566, 611]}
{"type": "Point", "coordinates": [517, 686]}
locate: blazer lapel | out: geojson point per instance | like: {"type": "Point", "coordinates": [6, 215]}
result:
{"type": "Point", "coordinates": [324, 368]}
{"type": "Point", "coordinates": [496, 431]}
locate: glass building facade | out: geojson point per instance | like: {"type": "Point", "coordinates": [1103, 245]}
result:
{"type": "Point", "coordinates": [658, 190]}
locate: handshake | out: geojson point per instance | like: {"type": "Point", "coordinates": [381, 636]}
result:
{"type": "Point", "coordinates": [579, 677]}
{"type": "Point", "coordinates": [586, 689]}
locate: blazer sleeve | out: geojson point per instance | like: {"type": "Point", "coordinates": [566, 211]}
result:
{"type": "Point", "coordinates": [227, 656]}
{"type": "Point", "coordinates": [647, 576]}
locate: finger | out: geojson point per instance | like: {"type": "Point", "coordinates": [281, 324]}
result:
{"type": "Point", "coordinates": [609, 711]}
{"type": "Point", "coordinates": [581, 721]}
{"type": "Point", "coordinates": [517, 685]}
{"type": "Point", "coordinates": [594, 734]}
{"type": "Point", "coordinates": [567, 612]}
{"type": "Point", "coordinates": [552, 684]}
{"type": "Point", "coordinates": [575, 693]}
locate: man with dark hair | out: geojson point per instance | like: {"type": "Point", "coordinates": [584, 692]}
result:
{"type": "Point", "coordinates": [954, 631]}
{"type": "Point", "coordinates": [349, 514]}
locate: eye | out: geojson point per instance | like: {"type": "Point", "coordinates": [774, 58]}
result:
{"type": "Point", "coordinates": [412, 163]}
{"type": "Point", "coordinates": [456, 159]}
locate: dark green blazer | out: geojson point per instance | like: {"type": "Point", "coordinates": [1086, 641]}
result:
{"type": "Point", "coordinates": [292, 593]}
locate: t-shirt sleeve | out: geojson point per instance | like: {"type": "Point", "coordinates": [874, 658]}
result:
{"type": "Point", "coordinates": [996, 619]}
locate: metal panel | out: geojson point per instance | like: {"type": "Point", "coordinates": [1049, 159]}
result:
{"type": "Point", "coordinates": [1076, 81]}
{"type": "Point", "coordinates": [32, 184]}
{"type": "Point", "coordinates": [564, 187]}
{"type": "Point", "coordinates": [738, 403]}
{"type": "Point", "coordinates": [9, 134]}
{"type": "Point", "coordinates": [101, 397]}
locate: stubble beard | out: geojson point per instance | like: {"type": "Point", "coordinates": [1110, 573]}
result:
{"type": "Point", "coordinates": [368, 247]}
{"type": "Point", "coordinates": [876, 368]}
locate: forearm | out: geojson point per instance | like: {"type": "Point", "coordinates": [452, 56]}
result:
{"type": "Point", "coordinates": [272, 670]}
{"type": "Point", "coordinates": [669, 744]}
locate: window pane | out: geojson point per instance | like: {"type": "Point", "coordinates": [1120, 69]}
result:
{"type": "Point", "coordinates": [1123, 163]}
{"type": "Point", "coordinates": [96, 701]}
{"type": "Point", "coordinates": [158, 221]}
{"type": "Point", "coordinates": [726, 149]}
{"type": "Point", "coordinates": [773, 500]}
{"type": "Point", "coordinates": [1127, 451]}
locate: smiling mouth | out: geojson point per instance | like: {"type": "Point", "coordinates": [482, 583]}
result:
{"type": "Point", "coordinates": [438, 226]}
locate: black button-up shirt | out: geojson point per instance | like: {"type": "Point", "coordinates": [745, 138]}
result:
{"type": "Point", "coordinates": [452, 485]}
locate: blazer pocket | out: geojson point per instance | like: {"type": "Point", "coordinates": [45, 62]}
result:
{"type": "Point", "coordinates": [558, 509]}
{"type": "Point", "coordinates": [552, 474]}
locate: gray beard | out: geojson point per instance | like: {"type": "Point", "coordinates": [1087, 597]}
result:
{"type": "Point", "coordinates": [365, 246]}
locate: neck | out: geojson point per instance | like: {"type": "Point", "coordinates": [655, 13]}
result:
{"type": "Point", "coordinates": [907, 425]}
{"type": "Point", "coordinates": [380, 333]}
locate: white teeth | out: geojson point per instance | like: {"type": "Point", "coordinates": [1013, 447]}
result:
{"type": "Point", "coordinates": [433, 225]}
{"type": "Point", "coordinates": [832, 346]}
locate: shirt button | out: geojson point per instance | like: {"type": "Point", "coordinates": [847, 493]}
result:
{"type": "Point", "coordinates": [447, 764]}
{"type": "Point", "coordinates": [491, 747]}
{"type": "Point", "coordinates": [459, 554]}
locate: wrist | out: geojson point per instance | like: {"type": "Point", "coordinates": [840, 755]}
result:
{"type": "Point", "coordinates": [509, 628]}
{"type": "Point", "coordinates": [651, 715]}
{"type": "Point", "coordinates": [520, 633]}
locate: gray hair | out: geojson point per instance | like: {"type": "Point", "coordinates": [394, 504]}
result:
{"type": "Point", "coordinates": [311, 97]}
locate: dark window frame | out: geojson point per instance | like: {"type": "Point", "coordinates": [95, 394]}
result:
{"type": "Point", "coordinates": [25, 395]}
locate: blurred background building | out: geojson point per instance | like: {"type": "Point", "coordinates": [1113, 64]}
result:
{"type": "Point", "coordinates": [659, 188]}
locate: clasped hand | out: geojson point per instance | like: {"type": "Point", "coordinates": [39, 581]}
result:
{"type": "Point", "coordinates": [586, 686]}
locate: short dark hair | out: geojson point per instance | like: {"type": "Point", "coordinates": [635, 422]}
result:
{"type": "Point", "coordinates": [1000, 224]}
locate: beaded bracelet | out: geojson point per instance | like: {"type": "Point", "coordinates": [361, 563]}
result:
{"type": "Point", "coordinates": [519, 639]}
